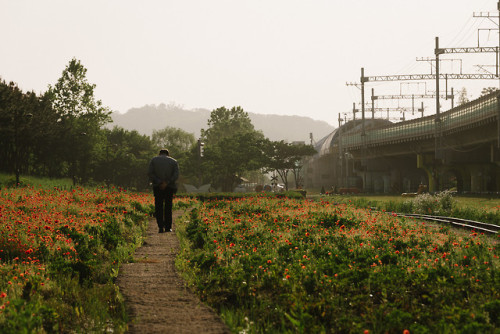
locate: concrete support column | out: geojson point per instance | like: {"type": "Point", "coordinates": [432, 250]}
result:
{"type": "Point", "coordinates": [378, 184]}
{"type": "Point", "coordinates": [387, 183]}
{"type": "Point", "coordinates": [497, 173]}
{"type": "Point", "coordinates": [425, 163]}
{"type": "Point", "coordinates": [369, 179]}
{"type": "Point", "coordinates": [463, 179]}
{"type": "Point", "coordinates": [466, 179]}
{"type": "Point", "coordinates": [476, 179]}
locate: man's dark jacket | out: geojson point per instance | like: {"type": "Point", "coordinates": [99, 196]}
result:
{"type": "Point", "coordinates": [163, 168]}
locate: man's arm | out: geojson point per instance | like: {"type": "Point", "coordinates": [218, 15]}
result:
{"type": "Point", "coordinates": [151, 173]}
{"type": "Point", "coordinates": [175, 174]}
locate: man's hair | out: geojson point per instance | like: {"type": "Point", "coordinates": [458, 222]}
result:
{"type": "Point", "coordinates": [164, 151]}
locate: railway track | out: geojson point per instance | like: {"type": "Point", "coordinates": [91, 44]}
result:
{"type": "Point", "coordinates": [457, 222]}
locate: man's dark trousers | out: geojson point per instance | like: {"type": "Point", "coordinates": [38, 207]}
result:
{"type": "Point", "coordinates": [163, 207]}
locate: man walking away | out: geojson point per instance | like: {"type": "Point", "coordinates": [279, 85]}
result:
{"type": "Point", "coordinates": [163, 172]}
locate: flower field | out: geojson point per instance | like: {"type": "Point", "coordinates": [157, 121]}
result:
{"type": "Point", "coordinates": [282, 265]}
{"type": "Point", "coordinates": [59, 254]}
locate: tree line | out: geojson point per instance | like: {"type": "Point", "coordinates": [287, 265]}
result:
{"type": "Point", "coordinates": [62, 133]}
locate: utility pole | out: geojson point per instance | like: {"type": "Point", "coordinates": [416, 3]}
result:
{"type": "Point", "coordinates": [341, 160]}
{"type": "Point", "coordinates": [452, 98]}
{"type": "Point", "coordinates": [437, 52]}
{"type": "Point", "coordinates": [490, 17]}
{"type": "Point", "coordinates": [437, 120]}
{"type": "Point", "coordinates": [363, 133]}
{"type": "Point", "coordinates": [363, 102]}
{"type": "Point", "coordinates": [373, 103]}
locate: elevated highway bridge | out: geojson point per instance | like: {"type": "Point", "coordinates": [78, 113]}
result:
{"type": "Point", "coordinates": [460, 149]}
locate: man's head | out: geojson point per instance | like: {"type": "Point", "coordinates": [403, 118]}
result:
{"type": "Point", "coordinates": [164, 151]}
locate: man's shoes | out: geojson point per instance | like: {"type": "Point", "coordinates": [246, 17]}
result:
{"type": "Point", "coordinates": [168, 230]}
{"type": "Point", "coordinates": [161, 230]}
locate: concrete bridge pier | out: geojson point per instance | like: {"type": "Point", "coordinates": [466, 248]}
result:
{"type": "Point", "coordinates": [475, 178]}
{"type": "Point", "coordinates": [478, 178]}
{"type": "Point", "coordinates": [427, 163]}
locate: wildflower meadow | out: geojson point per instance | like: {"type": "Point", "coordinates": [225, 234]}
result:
{"type": "Point", "coordinates": [60, 251]}
{"type": "Point", "coordinates": [299, 266]}
{"type": "Point", "coordinates": [266, 264]}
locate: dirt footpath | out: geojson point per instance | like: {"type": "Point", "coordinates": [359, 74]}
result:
{"type": "Point", "coordinates": [156, 297]}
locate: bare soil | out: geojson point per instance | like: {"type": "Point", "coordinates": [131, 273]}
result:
{"type": "Point", "coordinates": [156, 297]}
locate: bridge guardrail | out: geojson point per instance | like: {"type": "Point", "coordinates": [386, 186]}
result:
{"type": "Point", "coordinates": [468, 114]}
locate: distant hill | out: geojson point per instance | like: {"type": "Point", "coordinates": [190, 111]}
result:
{"type": "Point", "coordinates": [275, 127]}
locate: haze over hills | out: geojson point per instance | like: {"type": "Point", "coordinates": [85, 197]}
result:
{"type": "Point", "coordinates": [275, 127]}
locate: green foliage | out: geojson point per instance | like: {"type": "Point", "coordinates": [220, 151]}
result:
{"type": "Point", "coordinates": [8, 181]}
{"type": "Point", "coordinates": [195, 231]}
{"type": "Point", "coordinates": [441, 204]}
{"type": "Point", "coordinates": [122, 158]}
{"type": "Point", "coordinates": [493, 309]}
{"type": "Point", "coordinates": [283, 157]}
{"type": "Point", "coordinates": [177, 141]}
{"type": "Point", "coordinates": [488, 90]}
{"type": "Point", "coordinates": [24, 317]}
{"type": "Point", "coordinates": [80, 118]}
{"type": "Point", "coordinates": [60, 134]}
{"type": "Point", "coordinates": [478, 214]}
{"type": "Point", "coordinates": [231, 148]}
{"type": "Point", "coordinates": [224, 123]}
{"type": "Point", "coordinates": [207, 197]}
{"type": "Point", "coordinates": [226, 160]}
{"type": "Point", "coordinates": [19, 128]}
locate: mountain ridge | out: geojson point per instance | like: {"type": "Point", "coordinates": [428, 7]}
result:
{"type": "Point", "coordinates": [275, 127]}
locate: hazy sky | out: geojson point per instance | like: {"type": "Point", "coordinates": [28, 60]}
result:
{"type": "Point", "coordinates": [287, 57]}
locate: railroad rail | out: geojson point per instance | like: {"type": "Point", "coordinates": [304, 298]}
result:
{"type": "Point", "coordinates": [457, 222]}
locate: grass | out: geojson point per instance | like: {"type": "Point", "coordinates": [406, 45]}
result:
{"type": "Point", "coordinates": [8, 180]}
{"type": "Point", "coordinates": [485, 209]}
{"type": "Point", "coordinates": [479, 203]}
{"type": "Point", "coordinates": [488, 204]}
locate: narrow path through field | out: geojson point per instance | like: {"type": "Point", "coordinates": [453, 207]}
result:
{"type": "Point", "coordinates": [156, 297]}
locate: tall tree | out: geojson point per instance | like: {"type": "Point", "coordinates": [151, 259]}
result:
{"type": "Point", "coordinates": [462, 96]}
{"type": "Point", "coordinates": [16, 112]}
{"type": "Point", "coordinates": [47, 152]}
{"type": "Point", "coordinates": [80, 117]}
{"type": "Point", "coordinates": [176, 140]}
{"type": "Point", "coordinates": [226, 161]}
{"type": "Point", "coordinates": [224, 123]}
{"type": "Point", "coordinates": [283, 157]}
{"type": "Point", "coordinates": [123, 158]}
{"type": "Point", "coordinates": [231, 147]}
{"type": "Point", "coordinates": [488, 90]}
